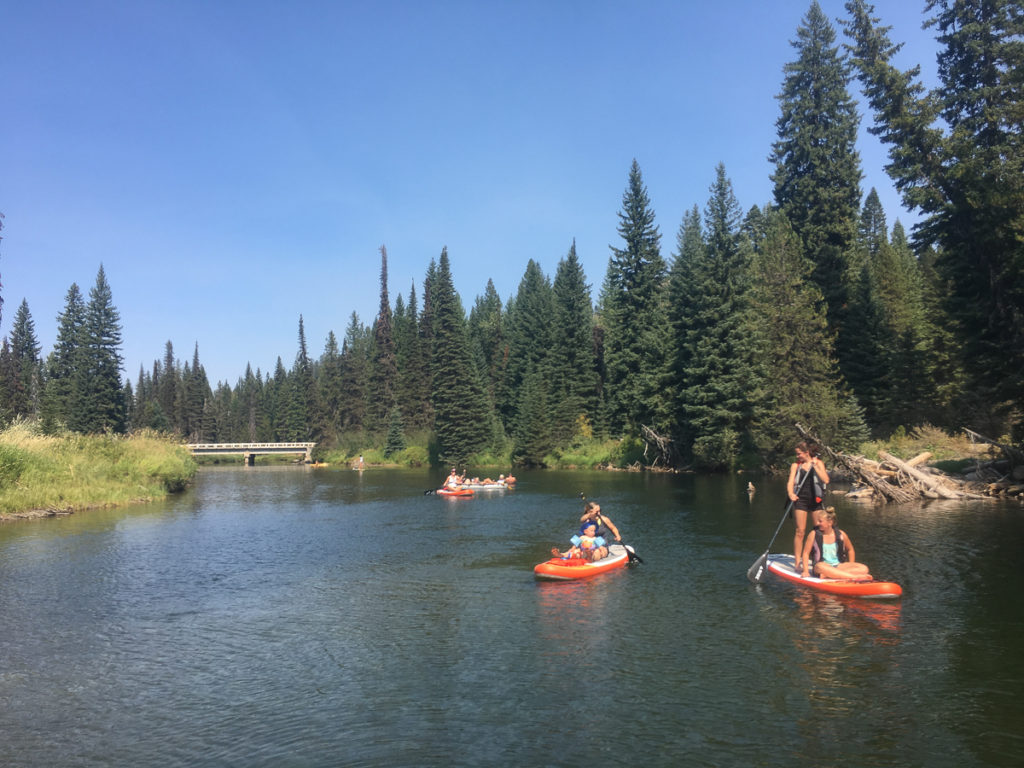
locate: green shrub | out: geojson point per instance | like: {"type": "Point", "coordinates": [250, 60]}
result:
{"type": "Point", "coordinates": [12, 464]}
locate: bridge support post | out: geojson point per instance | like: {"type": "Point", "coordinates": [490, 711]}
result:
{"type": "Point", "coordinates": [249, 459]}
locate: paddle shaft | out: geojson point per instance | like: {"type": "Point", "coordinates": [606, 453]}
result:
{"type": "Point", "coordinates": [757, 577]}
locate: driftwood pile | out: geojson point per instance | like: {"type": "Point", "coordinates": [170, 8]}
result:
{"type": "Point", "coordinates": [894, 480]}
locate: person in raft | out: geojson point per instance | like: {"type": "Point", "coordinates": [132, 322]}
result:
{"type": "Point", "coordinates": [806, 496]}
{"type": "Point", "coordinates": [453, 480]}
{"type": "Point", "coordinates": [586, 544]}
{"type": "Point", "coordinates": [605, 527]}
{"type": "Point", "coordinates": [829, 552]}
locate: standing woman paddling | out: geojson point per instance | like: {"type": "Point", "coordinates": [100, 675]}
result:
{"type": "Point", "coordinates": [806, 496]}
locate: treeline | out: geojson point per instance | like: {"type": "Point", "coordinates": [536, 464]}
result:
{"type": "Point", "coordinates": [809, 309]}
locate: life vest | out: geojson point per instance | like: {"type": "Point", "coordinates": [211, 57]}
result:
{"type": "Point", "coordinates": [819, 546]}
{"type": "Point", "coordinates": [819, 487]}
{"type": "Point", "coordinates": [587, 542]}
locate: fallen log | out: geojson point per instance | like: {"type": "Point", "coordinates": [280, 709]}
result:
{"type": "Point", "coordinates": [929, 484]}
{"type": "Point", "coordinates": [920, 459]}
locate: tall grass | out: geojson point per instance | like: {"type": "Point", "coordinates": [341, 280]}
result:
{"type": "Point", "coordinates": [72, 471]}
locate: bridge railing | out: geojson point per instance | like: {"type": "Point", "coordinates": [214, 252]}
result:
{"type": "Point", "coordinates": [249, 451]}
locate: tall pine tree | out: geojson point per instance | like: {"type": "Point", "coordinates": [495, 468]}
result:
{"type": "Point", "coordinates": [794, 353]}
{"type": "Point", "coordinates": [99, 398]}
{"type": "Point", "coordinates": [957, 155]}
{"type": "Point", "coordinates": [461, 417]}
{"type": "Point", "coordinates": [23, 397]}
{"type": "Point", "coordinates": [575, 402]}
{"type": "Point", "coordinates": [633, 313]}
{"type": "Point", "coordinates": [60, 363]}
{"type": "Point", "coordinates": [384, 369]}
{"type": "Point", "coordinates": [714, 400]}
{"type": "Point", "coordinates": [817, 169]}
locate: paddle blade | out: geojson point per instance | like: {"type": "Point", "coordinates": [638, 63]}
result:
{"type": "Point", "coordinates": [631, 554]}
{"type": "Point", "coordinates": [756, 571]}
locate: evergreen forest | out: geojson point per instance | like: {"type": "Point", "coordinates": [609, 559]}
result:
{"type": "Point", "coordinates": [698, 351]}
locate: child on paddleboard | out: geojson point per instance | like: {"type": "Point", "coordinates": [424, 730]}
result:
{"type": "Point", "coordinates": [829, 552]}
{"type": "Point", "coordinates": [585, 545]}
{"type": "Point", "coordinates": [605, 527]}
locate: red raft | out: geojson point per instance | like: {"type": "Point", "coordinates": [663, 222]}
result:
{"type": "Point", "coordinates": [454, 491]}
{"type": "Point", "coordinates": [782, 566]}
{"type": "Point", "coordinates": [565, 569]}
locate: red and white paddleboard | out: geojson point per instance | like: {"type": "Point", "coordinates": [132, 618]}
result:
{"type": "Point", "coordinates": [782, 566]}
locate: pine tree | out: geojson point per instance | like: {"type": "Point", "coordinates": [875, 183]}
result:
{"type": "Point", "coordinates": [1, 284]}
{"type": "Point", "coordinates": [413, 365]}
{"type": "Point", "coordinates": [957, 155]}
{"type": "Point", "coordinates": [297, 396]}
{"type": "Point", "coordinates": [488, 342]}
{"type": "Point", "coordinates": [714, 399]}
{"type": "Point", "coordinates": [461, 418]}
{"type": "Point", "coordinates": [23, 398]}
{"type": "Point", "coordinates": [329, 384]}
{"type": "Point", "coordinates": [817, 175]}
{"type": "Point", "coordinates": [574, 401]}
{"type": "Point", "coordinates": [532, 434]}
{"type": "Point", "coordinates": [251, 399]}
{"type": "Point", "coordinates": [196, 397]}
{"type": "Point", "coordinates": [633, 312]}
{"type": "Point", "coordinates": [684, 296]}
{"type": "Point", "coordinates": [384, 368]}
{"type": "Point", "coordinates": [60, 364]}
{"type": "Point", "coordinates": [8, 382]}
{"type": "Point", "coordinates": [529, 326]}
{"type": "Point", "coordinates": [168, 388]}
{"type": "Point", "coordinates": [794, 354]}
{"type": "Point", "coordinates": [354, 376]}
{"type": "Point", "coordinates": [99, 400]}
{"type": "Point", "coordinates": [277, 400]}
{"type": "Point", "coordinates": [396, 433]}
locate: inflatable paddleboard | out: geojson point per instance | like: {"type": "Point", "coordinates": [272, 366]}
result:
{"type": "Point", "coordinates": [782, 566]}
{"type": "Point", "coordinates": [564, 569]}
{"type": "Point", "coordinates": [454, 491]}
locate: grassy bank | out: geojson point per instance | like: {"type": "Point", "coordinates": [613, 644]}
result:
{"type": "Point", "coordinates": [41, 474]}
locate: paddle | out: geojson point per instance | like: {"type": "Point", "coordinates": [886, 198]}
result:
{"type": "Point", "coordinates": [631, 554]}
{"type": "Point", "coordinates": [755, 571]}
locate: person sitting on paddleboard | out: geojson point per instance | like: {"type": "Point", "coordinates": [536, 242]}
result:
{"type": "Point", "coordinates": [605, 527]}
{"type": "Point", "coordinates": [585, 545]}
{"type": "Point", "coordinates": [830, 553]}
{"type": "Point", "coordinates": [453, 481]}
{"type": "Point", "coordinates": [806, 496]}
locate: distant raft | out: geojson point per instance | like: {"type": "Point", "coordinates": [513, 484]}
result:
{"type": "Point", "coordinates": [782, 566]}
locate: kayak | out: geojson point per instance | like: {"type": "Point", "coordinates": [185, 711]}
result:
{"type": "Point", "coordinates": [454, 491]}
{"type": "Point", "coordinates": [782, 566]}
{"type": "Point", "coordinates": [565, 568]}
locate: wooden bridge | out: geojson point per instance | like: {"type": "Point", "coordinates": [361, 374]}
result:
{"type": "Point", "coordinates": [250, 450]}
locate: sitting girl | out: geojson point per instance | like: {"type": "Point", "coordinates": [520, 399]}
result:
{"type": "Point", "coordinates": [585, 545]}
{"type": "Point", "coordinates": [830, 553]}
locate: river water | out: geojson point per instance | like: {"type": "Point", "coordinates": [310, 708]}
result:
{"type": "Point", "coordinates": [301, 617]}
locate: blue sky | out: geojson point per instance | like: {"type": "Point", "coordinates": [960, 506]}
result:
{"type": "Point", "coordinates": [236, 164]}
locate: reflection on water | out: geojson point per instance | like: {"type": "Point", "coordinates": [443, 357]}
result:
{"type": "Point", "coordinates": [287, 616]}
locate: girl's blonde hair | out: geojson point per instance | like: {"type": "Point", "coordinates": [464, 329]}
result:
{"type": "Point", "coordinates": [830, 513]}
